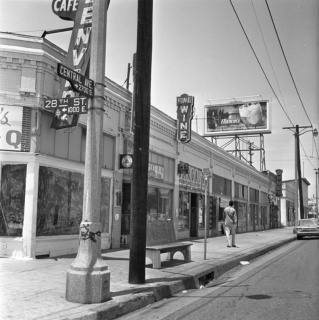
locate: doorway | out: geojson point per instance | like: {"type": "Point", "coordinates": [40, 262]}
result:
{"type": "Point", "coordinates": [194, 215]}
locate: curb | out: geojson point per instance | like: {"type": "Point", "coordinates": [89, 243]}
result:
{"type": "Point", "coordinates": [199, 275]}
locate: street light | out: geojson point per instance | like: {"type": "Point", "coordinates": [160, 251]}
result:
{"type": "Point", "coordinates": [297, 134]}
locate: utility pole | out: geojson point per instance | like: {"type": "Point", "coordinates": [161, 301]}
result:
{"type": "Point", "coordinates": [142, 100]}
{"type": "Point", "coordinates": [302, 211]}
{"type": "Point", "coordinates": [298, 176]}
{"type": "Point", "coordinates": [88, 279]}
{"type": "Point", "coordinates": [317, 173]}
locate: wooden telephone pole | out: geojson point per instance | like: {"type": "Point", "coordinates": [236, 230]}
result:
{"type": "Point", "coordinates": [142, 99]}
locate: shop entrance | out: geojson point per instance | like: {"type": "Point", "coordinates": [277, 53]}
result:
{"type": "Point", "coordinates": [194, 215]}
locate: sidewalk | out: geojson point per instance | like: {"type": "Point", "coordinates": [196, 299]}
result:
{"type": "Point", "coordinates": [35, 289]}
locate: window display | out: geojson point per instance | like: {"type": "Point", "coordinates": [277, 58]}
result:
{"type": "Point", "coordinates": [12, 197]}
{"type": "Point", "coordinates": [184, 211]}
{"type": "Point", "coordinates": [159, 204]}
{"type": "Point", "coordinates": [60, 202]}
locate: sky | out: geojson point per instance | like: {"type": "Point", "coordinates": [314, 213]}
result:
{"type": "Point", "coordinates": [199, 48]}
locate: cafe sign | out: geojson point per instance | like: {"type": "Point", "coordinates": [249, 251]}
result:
{"type": "Point", "coordinates": [81, 13]}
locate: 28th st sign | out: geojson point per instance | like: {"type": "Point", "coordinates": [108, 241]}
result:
{"type": "Point", "coordinates": [68, 105]}
{"type": "Point", "coordinates": [78, 81]}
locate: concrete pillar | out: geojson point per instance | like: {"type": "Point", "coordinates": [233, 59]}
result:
{"type": "Point", "coordinates": [30, 210]}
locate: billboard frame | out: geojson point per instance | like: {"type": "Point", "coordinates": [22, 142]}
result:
{"type": "Point", "coordinates": [230, 123]}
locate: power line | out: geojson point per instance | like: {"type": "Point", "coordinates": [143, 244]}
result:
{"type": "Point", "coordinates": [272, 67]}
{"type": "Point", "coordinates": [259, 62]}
{"type": "Point", "coordinates": [287, 61]}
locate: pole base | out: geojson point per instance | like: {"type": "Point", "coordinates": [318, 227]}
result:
{"type": "Point", "coordinates": [88, 285]}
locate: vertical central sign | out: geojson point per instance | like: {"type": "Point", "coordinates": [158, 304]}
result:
{"type": "Point", "coordinates": [81, 12]}
{"type": "Point", "coordinates": [185, 105]}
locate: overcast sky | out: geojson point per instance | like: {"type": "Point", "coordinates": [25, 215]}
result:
{"type": "Point", "coordinates": [199, 48]}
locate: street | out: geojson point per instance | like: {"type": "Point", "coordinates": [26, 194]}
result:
{"type": "Point", "coordinates": [283, 284]}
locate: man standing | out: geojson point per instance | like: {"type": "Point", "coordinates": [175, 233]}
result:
{"type": "Point", "coordinates": [230, 218]}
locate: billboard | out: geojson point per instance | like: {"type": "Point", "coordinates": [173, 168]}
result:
{"type": "Point", "coordinates": [237, 118]}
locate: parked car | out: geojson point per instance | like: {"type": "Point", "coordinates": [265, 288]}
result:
{"type": "Point", "coordinates": [307, 227]}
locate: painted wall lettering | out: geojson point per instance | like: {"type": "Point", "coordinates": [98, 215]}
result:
{"type": "Point", "coordinates": [11, 128]}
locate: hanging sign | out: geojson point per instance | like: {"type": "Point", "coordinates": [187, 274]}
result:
{"type": "Point", "coordinates": [81, 12]}
{"type": "Point", "coordinates": [185, 104]}
{"type": "Point", "coordinates": [279, 183]}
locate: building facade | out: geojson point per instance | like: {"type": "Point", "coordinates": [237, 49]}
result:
{"type": "Point", "coordinates": [42, 169]}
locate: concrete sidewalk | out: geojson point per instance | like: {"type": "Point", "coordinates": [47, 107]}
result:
{"type": "Point", "coordinates": [35, 289]}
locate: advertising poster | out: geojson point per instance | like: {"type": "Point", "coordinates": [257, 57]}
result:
{"type": "Point", "coordinates": [10, 128]}
{"type": "Point", "coordinates": [237, 118]}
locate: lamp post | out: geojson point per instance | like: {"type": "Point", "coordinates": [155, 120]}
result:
{"type": "Point", "coordinates": [298, 178]}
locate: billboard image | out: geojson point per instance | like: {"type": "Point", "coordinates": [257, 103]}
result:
{"type": "Point", "coordinates": [237, 118]}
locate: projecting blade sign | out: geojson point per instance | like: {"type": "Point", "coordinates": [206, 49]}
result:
{"type": "Point", "coordinates": [78, 57]}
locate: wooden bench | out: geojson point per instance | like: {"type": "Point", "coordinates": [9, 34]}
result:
{"type": "Point", "coordinates": [161, 238]}
{"type": "Point", "coordinates": [154, 252]}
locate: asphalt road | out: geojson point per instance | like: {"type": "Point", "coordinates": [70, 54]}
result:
{"type": "Point", "coordinates": [283, 284]}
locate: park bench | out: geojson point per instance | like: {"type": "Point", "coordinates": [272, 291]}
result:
{"type": "Point", "coordinates": [161, 239]}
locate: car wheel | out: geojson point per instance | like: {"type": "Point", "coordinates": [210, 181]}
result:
{"type": "Point", "coordinates": [299, 237]}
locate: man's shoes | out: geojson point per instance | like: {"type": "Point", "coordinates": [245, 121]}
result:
{"type": "Point", "coordinates": [228, 246]}
{"type": "Point", "coordinates": [234, 246]}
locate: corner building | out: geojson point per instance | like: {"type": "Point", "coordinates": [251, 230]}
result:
{"type": "Point", "coordinates": [42, 169]}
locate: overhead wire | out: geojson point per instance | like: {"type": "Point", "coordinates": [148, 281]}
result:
{"type": "Point", "coordinates": [293, 80]}
{"type": "Point", "coordinates": [272, 67]}
{"type": "Point", "coordinates": [282, 50]}
{"type": "Point", "coordinates": [260, 63]}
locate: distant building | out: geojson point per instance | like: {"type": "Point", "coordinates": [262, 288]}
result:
{"type": "Point", "coordinates": [288, 216]}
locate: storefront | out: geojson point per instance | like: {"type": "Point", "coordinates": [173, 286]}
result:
{"type": "Point", "coordinates": [222, 189]}
{"type": "Point", "coordinates": [240, 204]}
{"type": "Point", "coordinates": [191, 207]}
{"type": "Point", "coordinates": [160, 193]}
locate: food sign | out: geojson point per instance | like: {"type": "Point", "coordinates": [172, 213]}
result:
{"type": "Point", "coordinates": [11, 128]}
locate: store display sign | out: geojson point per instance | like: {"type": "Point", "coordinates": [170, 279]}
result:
{"type": "Point", "coordinates": [193, 179]}
{"type": "Point", "coordinates": [155, 171]}
{"type": "Point", "coordinates": [11, 128]}
{"type": "Point", "coordinates": [237, 118]}
{"type": "Point", "coordinates": [185, 106]}
{"type": "Point", "coordinates": [183, 168]}
{"type": "Point", "coordinates": [279, 183]}
{"type": "Point", "coordinates": [126, 161]}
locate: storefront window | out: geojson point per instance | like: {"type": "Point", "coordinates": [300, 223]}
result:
{"type": "Point", "coordinates": [12, 197]}
{"type": "Point", "coordinates": [222, 186]}
{"type": "Point", "coordinates": [126, 209]}
{"type": "Point", "coordinates": [201, 212]}
{"type": "Point", "coordinates": [241, 209]}
{"type": "Point", "coordinates": [241, 191]}
{"type": "Point", "coordinates": [183, 211]}
{"type": "Point", "coordinates": [159, 203]}
{"type": "Point", "coordinates": [263, 220]}
{"type": "Point", "coordinates": [60, 202]}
